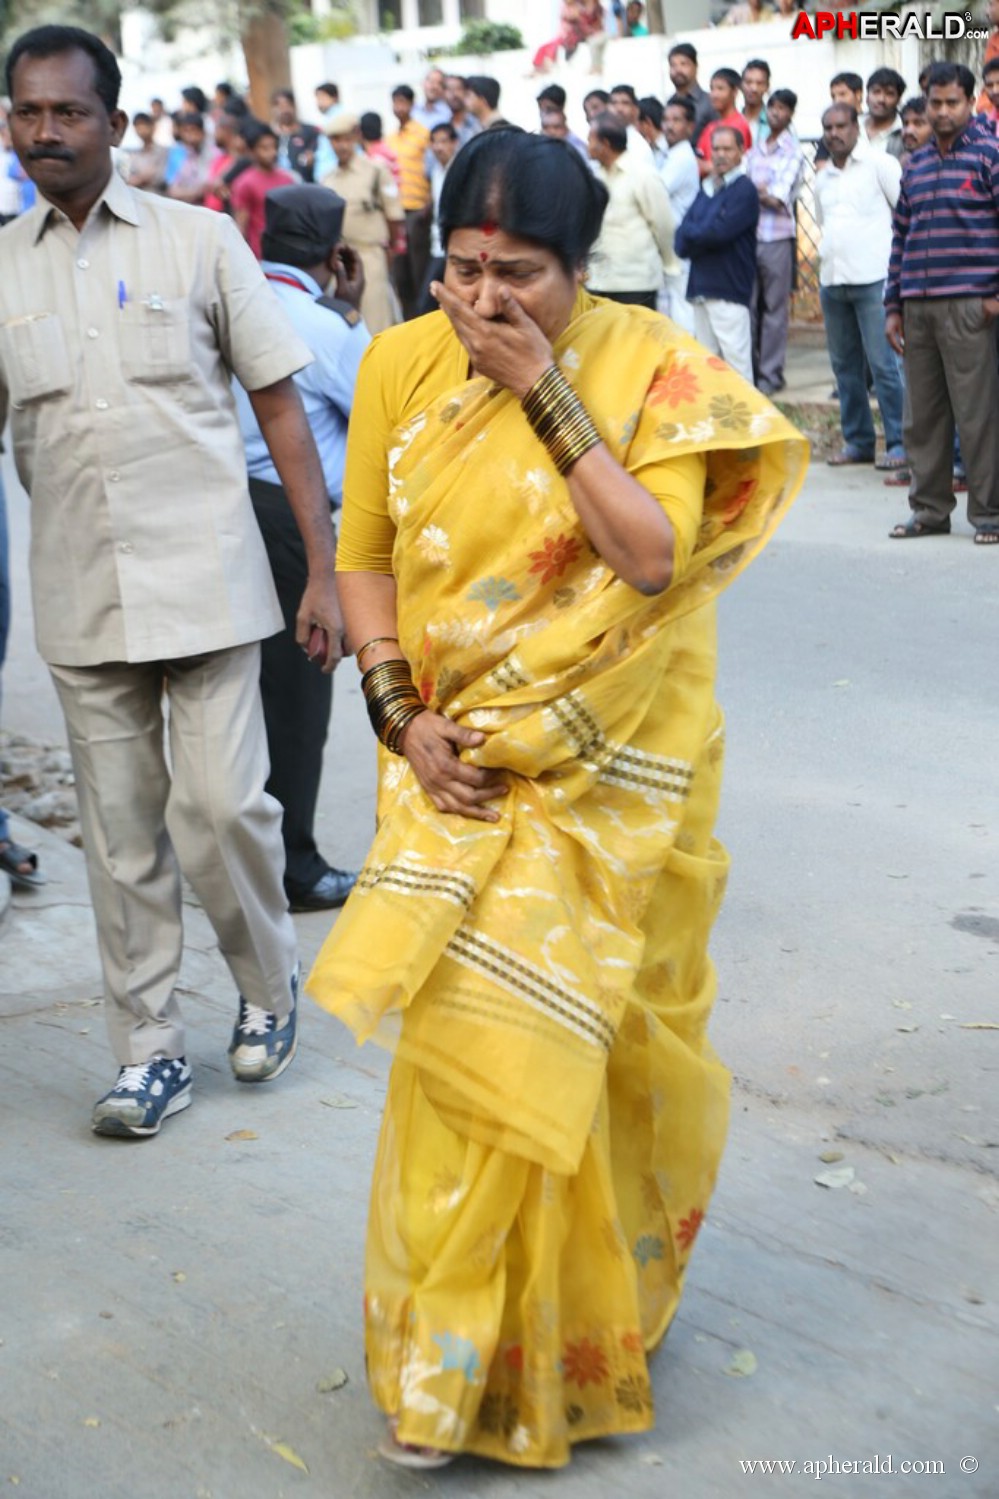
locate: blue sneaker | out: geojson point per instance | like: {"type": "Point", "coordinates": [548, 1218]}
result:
{"type": "Point", "coordinates": [261, 1048]}
{"type": "Point", "coordinates": [143, 1097]}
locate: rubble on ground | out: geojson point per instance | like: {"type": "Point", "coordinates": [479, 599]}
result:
{"type": "Point", "coordinates": [36, 782]}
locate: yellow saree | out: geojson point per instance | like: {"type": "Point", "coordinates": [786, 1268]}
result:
{"type": "Point", "coordinates": [555, 1115]}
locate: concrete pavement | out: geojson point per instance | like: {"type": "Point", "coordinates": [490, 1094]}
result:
{"type": "Point", "coordinates": [171, 1307]}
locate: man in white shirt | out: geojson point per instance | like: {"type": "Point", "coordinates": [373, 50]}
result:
{"type": "Point", "coordinates": [854, 200]}
{"type": "Point", "coordinates": [635, 247]}
{"type": "Point", "coordinates": [682, 181]}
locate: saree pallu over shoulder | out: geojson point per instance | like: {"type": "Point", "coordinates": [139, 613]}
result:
{"type": "Point", "coordinates": [500, 960]}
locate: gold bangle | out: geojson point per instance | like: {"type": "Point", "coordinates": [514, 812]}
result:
{"type": "Point", "coordinates": [392, 701]}
{"type": "Point", "coordinates": [378, 640]}
{"type": "Point", "coordinates": [559, 419]}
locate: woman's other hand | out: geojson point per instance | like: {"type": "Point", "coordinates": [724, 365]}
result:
{"type": "Point", "coordinates": [432, 744]}
{"type": "Point", "coordinates": [504, 342]}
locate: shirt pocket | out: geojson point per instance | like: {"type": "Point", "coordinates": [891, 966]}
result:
{"type": "Point", "coordinates": [154, 339]}
{"type": "Point", "coordinates": [35, 358]}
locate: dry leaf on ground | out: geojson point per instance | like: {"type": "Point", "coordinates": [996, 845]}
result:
{"type": "Point", "coordinates": [842, 1176]}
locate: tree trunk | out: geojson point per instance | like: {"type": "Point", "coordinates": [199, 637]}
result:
{"type": "Point", "coordinates": [264, 37]}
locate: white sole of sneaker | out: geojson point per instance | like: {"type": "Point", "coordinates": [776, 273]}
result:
{"type": "Point", "coordinates": [266, 1077]}
{"type": "Point", "coordinates": [117, 1128]}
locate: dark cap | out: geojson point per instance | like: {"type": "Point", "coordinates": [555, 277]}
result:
{"type": "Point", "coordinates": [303, 224]}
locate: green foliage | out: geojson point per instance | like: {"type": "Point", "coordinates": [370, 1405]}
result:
{"type": "Point", "coordinates": [338, 25]}
{"type": "Point", "coordinates": [480, 38]}
{"type": "Point", "coordinates": [303, 26]}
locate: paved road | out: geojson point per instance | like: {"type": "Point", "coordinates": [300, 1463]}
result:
{"type": "Point", "coordinates": [175, 1304]}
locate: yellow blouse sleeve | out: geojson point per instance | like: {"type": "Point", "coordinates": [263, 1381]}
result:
{"type": "Point", "coordinates": [678, 484]}
{"type": "Point", "coordinates": [367, 531]}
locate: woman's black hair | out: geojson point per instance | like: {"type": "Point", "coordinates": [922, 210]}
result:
{"type": "Point", "coordinates": [53, 41]}
{"type": "Point", "coordinates": [529, 186]}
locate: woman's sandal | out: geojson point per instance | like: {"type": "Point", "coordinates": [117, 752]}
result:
{"type": "Point", "coordinates": [13, 856]}
{"type": "Point", "coordinates": [405, 1455]}
{"type": "Point", "coordinates": [987, 535]}
{"type": "Point", "coordinates": [908, 530]}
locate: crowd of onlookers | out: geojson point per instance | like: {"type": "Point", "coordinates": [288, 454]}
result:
{"type": "Point", "coordinates": [704, 186]}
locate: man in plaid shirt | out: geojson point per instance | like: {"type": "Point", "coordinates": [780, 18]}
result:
{"type": "Point", "coordinates": [774, 167]}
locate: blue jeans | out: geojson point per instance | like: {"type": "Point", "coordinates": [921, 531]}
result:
{"type": "Point", "coordinates": [855, 327]}
{"type": "Point", "coordinates": [4, 615]}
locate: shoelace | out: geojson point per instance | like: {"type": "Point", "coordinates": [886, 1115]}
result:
{"type": "Point", "coordinates": [255, 1021]}
{"type": "Point", "coordinates": [133, 1079]}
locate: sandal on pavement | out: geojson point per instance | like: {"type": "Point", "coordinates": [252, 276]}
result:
{"type": "Point", "coordinates": [908, 530]}
{"type": "Point", "coordinates": [405, 1455]}
{"type": "Point", "coordinates": [845, 456]}
{"type": "Point", "coordinates": [889, 463]}
{"type": "Point", "coordinates": [13, 857]}
{"type": "Point", "coordinates": [987, 535]}
{"type": "Point", "coordinates": [900, 479]}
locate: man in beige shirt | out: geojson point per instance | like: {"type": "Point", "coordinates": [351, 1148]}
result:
{"type": "Point", "coordinates": [635, 247]}
{"type": "Point", "coordinates": [122, 316]}
{"type": "Point", "coordinates": [373, 218]}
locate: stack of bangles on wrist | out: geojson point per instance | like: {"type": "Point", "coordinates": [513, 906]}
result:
{"type": "Point", "coordinates": [393, 701]}
{"type": "Point", "coordinates": [560, 419]}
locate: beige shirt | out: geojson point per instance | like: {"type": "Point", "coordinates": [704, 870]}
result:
{"type": "Point", "coordinates": [635, 245]}
{"type": "Point", "coordinates": [372, 200]}
{"type": "Point", "coordinates": [116, 348]}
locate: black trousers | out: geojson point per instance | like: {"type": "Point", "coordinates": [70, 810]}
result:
{"type": "Point", "coordinates": [297, 697]}
{"type": "Point", "coordinates": [410, 269]}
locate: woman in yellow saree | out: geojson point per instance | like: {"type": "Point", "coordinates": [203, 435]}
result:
{"type": "Point", "coordinates": [530, 930]}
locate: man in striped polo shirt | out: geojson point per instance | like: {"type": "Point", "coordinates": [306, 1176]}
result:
{"type": "Point", "coordinates": [941, 304]}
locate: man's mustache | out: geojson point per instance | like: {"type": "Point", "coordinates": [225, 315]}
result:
{"type": "Point", "coordinates": [50, 153]}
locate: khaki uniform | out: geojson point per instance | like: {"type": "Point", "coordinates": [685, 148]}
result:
{"type": "Point", "coordinates": [373, 204]}
{"type": "Point", "coordinates": [150, 579]}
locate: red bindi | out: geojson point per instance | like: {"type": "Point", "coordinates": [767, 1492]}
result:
{"type": "Point", "coordinates": [489, 228]}
{"type": "Point", "coordinates": [483, 256]}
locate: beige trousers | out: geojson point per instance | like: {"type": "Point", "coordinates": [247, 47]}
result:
{"type": "Point", "coordinates": [207, 814]}
{"type": "Point", "coordinates": [726, 329]}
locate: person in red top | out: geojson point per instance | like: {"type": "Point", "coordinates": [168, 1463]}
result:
{"type": "Point", "coordinates": [231, 119]}
{"type": "Point", "coordinates": [725, 86]}
{"type": "Point", "coordinates": [373, 143]}
{"type": "Point", "coordinates": [252, 186]}
{"type": "Point", "coordinates": [991, 50]}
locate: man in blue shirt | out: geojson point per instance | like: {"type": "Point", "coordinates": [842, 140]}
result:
{"type": "Point", "coordinates": [718, 237]}
{"type": "Point", "coordinates": [301, 256]}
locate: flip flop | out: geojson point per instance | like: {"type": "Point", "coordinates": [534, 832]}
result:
{"type": "Point", "coordinates": [900, 479]}
{"type": "Point", "coordinates": [910, 530]}
{"type": "Point", "coordinates": [403, 1455]}
{"type": "Point", "coordinates": [845, 457]}
{"type": "Point", "coordinates": [987, 535]}
{"type": "Point", "coordinates": [887, 464]}
{"type": "Point", "coordinates": [12, 856]}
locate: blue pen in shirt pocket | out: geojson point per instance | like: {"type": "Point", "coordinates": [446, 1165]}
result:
{"type": "Point", "coordinates": [122, 295]}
